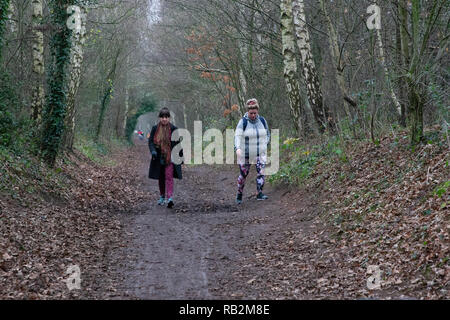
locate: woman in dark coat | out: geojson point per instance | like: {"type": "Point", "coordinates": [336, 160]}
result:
{"type": "Point", "coordinates": [162, 166]}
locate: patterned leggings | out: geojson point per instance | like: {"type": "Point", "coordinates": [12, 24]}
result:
{"type": "Point", "coordinates": [244, 171]}
{"type": "Point", "coordinates": [166, 181]}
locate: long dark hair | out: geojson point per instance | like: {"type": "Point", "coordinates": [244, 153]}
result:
{"type": "Point", "coordinates": [164, 112]}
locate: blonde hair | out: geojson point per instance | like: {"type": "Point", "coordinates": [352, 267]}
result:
{"type": "Point", "coordinates": [252, 104]}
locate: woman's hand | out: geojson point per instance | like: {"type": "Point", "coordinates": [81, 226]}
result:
{"type": "Point", "coordinates": [240, 158]}
{"type": "Point", "coordinates": [154, 154]}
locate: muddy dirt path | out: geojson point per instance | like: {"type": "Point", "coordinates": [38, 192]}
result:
{"type": "Point", "coordinates": [207, 247]}
{"type": "Point", "coordinates": [196, 250]}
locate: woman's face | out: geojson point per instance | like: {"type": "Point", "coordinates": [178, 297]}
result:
{"type": "Point", "coordinates": [252, 113]}
{"type": "Point", "coordinates": [164, 120]}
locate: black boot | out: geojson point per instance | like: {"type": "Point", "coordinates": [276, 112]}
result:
{"type": "Point", "coordinates": [170, 203]}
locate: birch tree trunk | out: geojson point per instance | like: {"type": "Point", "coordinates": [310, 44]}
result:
{"type": "Point", "coordinates": [185, 116]}
{"type": "Point", "coordinates": [126, 99]}
{"type": "Point", "coordinates": [290, 64]}
{"type": "Point", "coordinates": [336, 60]}
{"type": "Point", "coordinates": [309, 71]}
{"type": "Point", "coordinates": [76, 61]}
{"type": "Point", "coordinates": [243, 88]}
{"type": "Point", "coordinates": [37, 101]}
{"type": "Point", "coordinates": [401, 66]}
{"type": "Point", "coordinates": [12, 23]}
{"type": "Point", "coordinates": [386, 74]}
{"type": "Point", "coordinates": [250, 18]}
{"type": "Point", "coordinates": [127, 108]}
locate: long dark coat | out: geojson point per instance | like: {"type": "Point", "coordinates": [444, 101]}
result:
{"type": "Point", "coordinates": [155, 164]}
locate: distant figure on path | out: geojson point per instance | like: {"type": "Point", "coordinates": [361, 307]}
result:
{"type": "Point", "coordinates": [161, 167]}
{"type": "Point", "coordinates": [250, 142]}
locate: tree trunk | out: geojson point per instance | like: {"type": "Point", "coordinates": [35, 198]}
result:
{"type": "Point", "coordinates": [250, 18]}
{"type": "Point", "coordinates": [185, 117]}
{"type": "Point", "coordinates": [290, 64]}
{"type": "Point", "coordinates": [55, 108]}
{"type": "Point", "coordinates": [386, 74]}
{"type": "Point", "coordinates": [417, 82]}
{"type": "Point", "coordinates": [415, 115]}
{"type": "Point", "coordinates": [337, 62]}
{"type": "Point", "coordinates": [11, 13]}
{"type": "Point", "coordinates": [401, 65]}
{"type": "Point", "coordinates": [107, 96]}
{"type": "Point", "coordinates": [76, 61]}
{"type": "Point", "coordinates": [313, 89]}
{"type": "Point", "coordinates": [37, 102]}
{"type": "Point", "coordinates": [4, 7]}
{"type": "Point", "coordinates": [127, 108]}
{"type": "Point", "coordinates": [242, 92]}
{"type": "Point", "coordinates": [415, 100]}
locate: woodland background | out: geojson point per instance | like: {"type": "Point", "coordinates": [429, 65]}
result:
{"type": "Point", "coordinates": [342, 78]}
{"type": "Point", "coordinates": [363, 115]}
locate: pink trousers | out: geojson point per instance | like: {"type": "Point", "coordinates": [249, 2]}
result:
{"type": "Point", "coordinates": [166, 181]}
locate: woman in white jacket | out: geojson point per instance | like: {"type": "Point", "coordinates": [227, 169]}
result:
{"type": "Point", "coordinates": [250, 141]}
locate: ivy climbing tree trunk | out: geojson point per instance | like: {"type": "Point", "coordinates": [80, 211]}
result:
{"type": "Point", "coordinates": [107, 96]}
{"type": "Point", "coordinates": [76, 61]}
{"type": "Point", "coordinates": [321, 113]}
{"type": "Point", "coordinates": [37, 102]}
{"type": "Point", "coordinates": [290, 64]}
{"type": "Point", "coordinates": [4, 6]}
{"type": "Point", "coordinates": [55, 107]}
